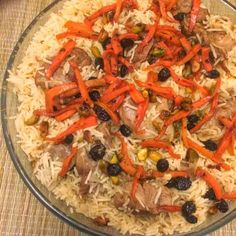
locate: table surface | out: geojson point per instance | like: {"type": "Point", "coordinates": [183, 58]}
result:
{"type": "Point", "coordinates": [21, 214]}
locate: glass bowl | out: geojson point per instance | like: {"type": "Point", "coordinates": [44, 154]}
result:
{"type": "Point", "coordinates": [9, 109]}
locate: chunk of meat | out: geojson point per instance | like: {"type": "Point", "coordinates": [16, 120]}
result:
{"type": "Point", "coordinates": [60, 76]}
{"type": "Point", "coordinates": [101, 220]}
{"type": "Point", "coordinates": [128, 113]}
{"type": "Point", "coordinates": [84, 165]}
{"type": "Point", "coordinates": [221, 40]}
{"type": "Point", "coordinates": [59, 151]}
{"type": "Point", "coordinates": [183, 6]}
{"type": "Point", "coordinates": [148, 198]}
{"type": "Point", "coordinates": [140, 57]}
{"type": "Point", "coordinates": [105, 129]}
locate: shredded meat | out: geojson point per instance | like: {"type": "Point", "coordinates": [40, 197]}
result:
{"type": "Point", "coordinates": [146, 199]}
{"type": "Point", "coordinates": [81, 58]}
{"type": "Point", "coordinates": [127, 114]}
{"type": "Point", "coordinates": [59, 150]}
{"type": "Point", "coordinates": [101, 220]}
{"type": "Point", "coordinates": [183, 6]}
{"type": "Point", "coordinates": [84, 165]}
{"type": "Point", "coordinates": [140, 57]}
{"type": "Point", "coordinates": [44, 129]}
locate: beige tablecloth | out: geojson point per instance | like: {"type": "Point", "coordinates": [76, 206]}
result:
{"type": "Point", "coordinates": [20, 212]}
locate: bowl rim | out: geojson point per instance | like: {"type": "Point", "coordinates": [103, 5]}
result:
{"type": "Point", "coordinates": [25, 177]}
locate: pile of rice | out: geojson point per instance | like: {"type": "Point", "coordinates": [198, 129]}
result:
{"type": "Point", "coordinates": [44, 45]}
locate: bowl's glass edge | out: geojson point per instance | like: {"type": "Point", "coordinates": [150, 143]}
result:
{"type": "Point", "coordinates": [221, 222]}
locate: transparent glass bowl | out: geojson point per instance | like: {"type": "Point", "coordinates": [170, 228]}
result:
{"type": "Point", "coordinates": [9, 108]}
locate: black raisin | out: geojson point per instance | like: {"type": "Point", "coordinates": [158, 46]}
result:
{"type": "Point", "coordinates": [92, 78]}
{"type": "Point", "coordinates": [210, 194]}
{"type": "Point", "coordinates": [180, 183]}
{"type": "Point", "coordinates": [213, 74]}
{"type": "Point", "coordinates": [164, 74]}
{"type": "Point", "coordinates": [188, 208]}
{"type": "Point", "coordinates": [97, 152]}
{"type": "Point", "coordinates": [127, 43]}
{"type": "Point", "coordinates": [151, 59]}
{"type": "Point", "coordinates": [180, 16]}
{"type": "Point", "coordinates": [193, 118]}
{"type": "Point", "coordinates": [222, 206]}
{"type": "Point", "coordinates": [69, 139]}
{"type": "Point", "coordinates": [191, 219]}
{"type": "Point", "coordinates": [123, 71]}
{"type": "Point", "coordinates": [162, 165]}
{"type": "Point", "coordinates": [125, 130]}
{"type": "Point", "coordinates": [99, 63]}
{"type": "Point", "coordinates": [94, 95]}
{"type": "Point", "coordinates": [106, 42]}
{"type": "Point", "coordinates": [190, 126]}
{"type": "Point", "coordinates": [113, 169]}
{"type": "Point", "coordinates": [101, 113]}
{"type": "Point", "coordinates": [210, 145]}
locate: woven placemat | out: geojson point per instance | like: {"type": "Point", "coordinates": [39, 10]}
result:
{"type": "Point", "coordinates": [20, 212]}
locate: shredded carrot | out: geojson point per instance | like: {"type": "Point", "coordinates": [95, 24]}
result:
{"type": "Point", "coordinates": [149, 36]}
{"type": "Point", "coordinates": [126, 63]}
{"type": "Point", "coordinates": [60, 57]}
{"type": "Point", "coordinates": [95, 83]}
{"type": "Point", "coordinates": [194, 14]}
{"type": "Point", "coordinates": [153, 143]}
{"type": "Point", "coordinates": [151, 77]}
{"type": "Point", "coordinates": [118, 102]}
{"type": "Point", "coordinates": [201, 102]}
{"type": "Point", "coordinates": [164, 12]}
{"type": "Point", "coordinates": [114, 65]}
{"type": "Point", "coordinates": [140, 114]}
{"type": "Point", "coordinates": [107, 54]}
{"type": "Point", "coordinates": [116, 45]}
{"type": "Point", "coordinates": [82, 87]}
{"type": "Point", "coordinates": [169, 36]}
{"type": "Point", "coordinates": [169, 208]}
{"type": "Point", "coordinates": [67, 161]}
{"type": "Point", "coordinates": [171, 4]}
{"type": "Point", "coordinates": [110, 112]}
{"type": "Point", "coordinates": [65, 115]}
{"type": "Point", "coordinates": [135, 95]}
{"type": "Point", "coordinates": [226, 122]}
{"type": "Point", "coordinates": [231, 149]}
{"type": "Point", "coordinates": [69, 34]}
{"type": "Point", "coordinates": [139, 173]}
{"type": "Point", "coordinates": [194, 50]}
{"type": "Point", "coordinates": [128, 36]}
{"type": "Point", "coordinates": [108, 97]}
{"type": "Point", "coordinates": [185, 43]}
{"type": "Point", "coordinates": [229, 196]}
{"type": "Point", "coordinates": [184, 132]}
{"type": "Point", "coordinates": [82, 123]}
{"type": "Point", "coordinates": [205, 59]}
{"type": "Point", "coordinates": [118, 10]}
{"type": "Point", "coordinates": [211, 181]}
{"type": "Point", "coordinates": [110, 79]}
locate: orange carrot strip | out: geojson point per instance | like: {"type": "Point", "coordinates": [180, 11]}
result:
{"type": "Point", "coordinates": [118, 102]}
{"type": "Point", "coordinates": [95, 83]}
{"type": "Point", "coordinates": [108, 97]}
{"type": "Point", "coordinates": [140, 114]}
{"type": "Point", "coordinates": [164, 12]}
{"type": "Point", "coordinates": [169, 208]}
{"type": "Point", "coordinates": [205, 59]}
{"type": "Point", "coordinates": [129, 36]}
{"type": "Point", "coordinates": [229, 196]}
{"type": "Point", "coordinates": [126, 63]}
{"type": "Point", "coordinates": [194, 50]}
{"type": "Point", "coordinates": [211, 181]}
{"type": "Point", "coordinates": [110, 79]}
{"type": "Point", "coordinates": [184, 132]}
{"type": "Point", "coordinates": [110, 112]}
{"type": "Point", "coordinates": [226, 122]}
{"type": "Point", "coordinates": [138, 174]}
{"type": "Point", "coordinates": [201, 102]}
{"type": "Point", "coordinates": [65, 115]}
{"type": "Point", "coordinates": [67, 161]}
{"type": "Point", "coordinates": [194, 14]}
{"type": "Point", "coordinates": [186, 44]}
{"type": "Point", "coordinates": [136, 96]}
{"type": "Point", "coordinates": [153, 143]}
{"type": "Point", "coordinates": [149, 36]}
{"type": "Point", "coordinates": [82, 123]}
{"type": "Point", "coordinates": [231, 146]}
{"type": "Point", "coordinates": [116, 45]}
{"type": "Point", "coordinates": [69, 34]}
{"type": "Point", "coordinates": [60, 57]}
{"type": "Point", "coordinates": [82, 87]}
{"type": "Point", "coordinates": [118, 10]}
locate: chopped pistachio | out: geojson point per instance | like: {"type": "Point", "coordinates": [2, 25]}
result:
{"type": "Point", "coordinates": [115, 180]}
{"type": "Point", "coordinates": [32, 120]}
{"type": "Point", "coordinates": [138, 28]}
{"type": "Point", "coordinates": [192, 156]}
{"type": "Point", "coordinates": [142, 154]}
{"type": "Point", "coordinates": [95, 51]}
{"type": "Point", "coordinates": [155, 156]}
{"type": "Point", "coordinates": [158, 52]}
